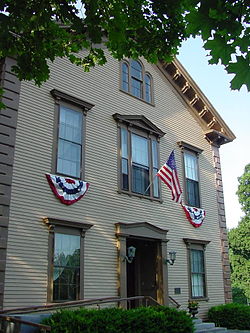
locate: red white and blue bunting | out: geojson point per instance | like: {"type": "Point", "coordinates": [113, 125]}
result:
{"type": "Point", "coordinates": [194, 215]}
{"type": "Point", "coordinates": [67, 190]}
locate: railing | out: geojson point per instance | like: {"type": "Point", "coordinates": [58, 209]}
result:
{"type": "Point", "coordinates": [5, 317]}
{"type": "Point", "coordinates": [6, 320]}
{"type": "Point", "coordinates": [174, 302]}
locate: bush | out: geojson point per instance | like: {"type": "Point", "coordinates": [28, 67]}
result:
{"type": "Point", "coordinates": [114, 320]}
{"type": "Point", "coordinates": [234, 316]}
{"type": "Point", "coordinates": [239, 295]}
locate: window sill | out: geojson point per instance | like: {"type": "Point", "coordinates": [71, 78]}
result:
{"type": "Point", "coordinates": [199, 299]}
{"type": "Point", "coordinates": [138, 98]}
{"type": "Point", "coordinates": [132, 194]}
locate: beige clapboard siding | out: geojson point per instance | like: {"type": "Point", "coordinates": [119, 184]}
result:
{"type": "Point", "coordinates": [102, 206]}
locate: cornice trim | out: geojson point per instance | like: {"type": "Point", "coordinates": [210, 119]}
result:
{"type": "Point", "coordinates": [202, 109]}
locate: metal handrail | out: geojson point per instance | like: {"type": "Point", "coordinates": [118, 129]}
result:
{"type": "Point", "coordinates": [96, 301]}
{"type": "Point", "coordinates": [174, 302]}
{"type": "Point", "coordinates": [54, 306]}
{"type": "Point", "coordinates": [19, 321]}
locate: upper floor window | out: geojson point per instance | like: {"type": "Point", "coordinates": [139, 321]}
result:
{"type": "Point", "coordinates": [192, 181]}
{"type": "Point", "coordinates": [136, 81]}
{"type": "Point", "coordinates": [68, 156]}
{"type": "Point", "coordinates": [139, 155]}
{"type": "Point", "coordinates": [70, 134]}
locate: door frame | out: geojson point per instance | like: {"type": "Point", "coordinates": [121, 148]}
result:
{"type": "Point", "coordinates": [142, 230]}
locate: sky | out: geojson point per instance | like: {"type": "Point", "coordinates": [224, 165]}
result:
{"type": "Point", "coordinates": [234, 108]}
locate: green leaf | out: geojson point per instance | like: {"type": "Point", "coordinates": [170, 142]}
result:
{"type": "Point", "coordinates": [242, 73]}
{"type": "Point", "coordinates": [219, 50]}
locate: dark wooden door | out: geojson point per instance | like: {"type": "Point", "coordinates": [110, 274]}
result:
{"type": "Point", "coordinates": [141, 273]}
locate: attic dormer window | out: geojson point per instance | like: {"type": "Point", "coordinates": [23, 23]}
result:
{"type": "Point", "coordinates": [138, 156]}
{"type": "Point", "coordinates": [135, 81]}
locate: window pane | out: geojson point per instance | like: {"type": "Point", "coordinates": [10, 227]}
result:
{"type": "Point", "coordinates": [197, 273]}
{"type": "Point", "coordinates": [140, 179]}
{"type": "Point", "coordinates": [125, 77]}
{"type": "Point", "coordinates": [66, 274]}
{"type": "Point", "coordinates": [198, 289]}
{"type": "Point", "coordinates": [124, 138]}
{"type": "Point", "coordinates": [154, 154]}
{"type": "Point", "coordinates": [140, 150]}
{"type": "Point", "coordinates": [191, 168]}
{"type": "Point", "coordinates": [148, 88]}
{"type": "Point", "coordinates": [193, 196]}
{"type": "Point", "coordinates": [156, 184]}
{"type": "Point", "coordinates": [136, 70]}
{"type": "Point", "coordinates": [197, 260]}
{"type": "Point", "coordinates": [125, 174]}
{"type": "Point", "coordinates": [70, 125]}
{"type": "Point", "coordinates": [69, 158]}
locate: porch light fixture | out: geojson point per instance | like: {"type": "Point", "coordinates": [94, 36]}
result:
{"type": "Point", "coordinates": [172, 257]}
{"type": "Point", "coordinates": [131, 254]}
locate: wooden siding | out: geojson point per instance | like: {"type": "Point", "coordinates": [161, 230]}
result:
{"type": "Point", "coordinates": [32, 199]}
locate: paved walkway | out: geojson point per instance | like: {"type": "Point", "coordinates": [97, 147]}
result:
{"type": "Point", "coordinates": [237, 331]}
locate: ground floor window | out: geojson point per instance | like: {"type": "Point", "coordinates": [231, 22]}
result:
{"type": "Point", "coordinates": [66, 258]}
{"type": "Point", "coordinates": [66, 267]}
{"type": "Point", "coordinates": [197, 268]}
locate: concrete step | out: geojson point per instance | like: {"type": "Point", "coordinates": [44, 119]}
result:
{"type": "Point", "coordinates": [212, 330]}
{"type": "Point", "coordinates": [201, 327]}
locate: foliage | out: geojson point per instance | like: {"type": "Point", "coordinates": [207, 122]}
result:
{"type": "Point", "coordinates": [193, 304]}
{"type": "Point", "coordinates": [234, 316]}
{"type": "Point", "coordinates": [244, 190]}
{"type": "Point", "coordinates": [114, 320]}
{"type": "Point", "coordinates": [37, 32]}
{"type": "Point", "coordinates": [239, 239]}
{"type": "Point", "coordinates": [239, 295]}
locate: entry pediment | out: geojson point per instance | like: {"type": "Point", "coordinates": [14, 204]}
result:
{"type": "Point", "coordinates": [139, 121]}
{"type": "Point", "coordinates": [140, 229]}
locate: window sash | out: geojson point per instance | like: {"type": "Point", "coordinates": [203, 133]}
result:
{"type": "Point", "coordinates": [193, 195]}
{"type": "Point", "coordinates": [125, 77]}
{"type": "Point", "coordinates": [197, 262]}
{"type": "Point", "coordinates": [191, 166]}
{"type": "Point", "coordinates": [69, 148]}
{"type": "Point", "coordinates": [148, 94]}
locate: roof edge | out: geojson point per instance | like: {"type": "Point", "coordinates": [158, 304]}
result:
{"type": "Point", "coordinates": [202, 108]}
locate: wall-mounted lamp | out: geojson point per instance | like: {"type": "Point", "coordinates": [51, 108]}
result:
{"type": "Point", "coordinates": [131, 254]}
{"type": "Point", "coordinates": [172, 257]}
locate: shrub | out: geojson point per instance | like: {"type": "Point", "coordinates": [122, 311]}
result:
{"type": "Point", "coordinates": [234, 316]}
{"type": "Point", "coordinates": [114, 320]}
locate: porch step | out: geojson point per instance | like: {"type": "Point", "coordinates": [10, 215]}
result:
{"type": "Point", "coordinates": [201, 327]}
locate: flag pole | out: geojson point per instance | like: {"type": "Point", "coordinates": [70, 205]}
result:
{"type": "Point", "coordinates": [150, 184]}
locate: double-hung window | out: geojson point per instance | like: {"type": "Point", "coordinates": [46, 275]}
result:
{"type": "Point", "coordinates": [66, 258]}
{"type": "Point", "coordinates": [135, 81]}
{"type": "Point", "coordinates": [70, 134]}
{"type": "Point", "coordinates": [197, 268]}
{"type": "Point", "coordinates": [68, 155]}
{"type": "Point", "coordinates": [192, 180]}
{"type": "Point", "coordinates": [139, 156]}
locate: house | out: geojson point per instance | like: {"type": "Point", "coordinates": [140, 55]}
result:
{"type": "Point", "coordinates": [113, 128]}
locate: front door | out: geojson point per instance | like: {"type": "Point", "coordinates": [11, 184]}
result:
{"type": "Point", "coordinates": [142, 272]}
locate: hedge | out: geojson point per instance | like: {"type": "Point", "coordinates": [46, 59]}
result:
{"type": "Point", "coordinates": [233, 315]}
{"type": "Point", "coordinates": [114, 320]}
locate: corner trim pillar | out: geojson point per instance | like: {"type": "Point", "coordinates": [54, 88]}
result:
{"type": "Point", "coordinates": [8, 123]}
{"type": "Point", "coordinates": [222, 226]}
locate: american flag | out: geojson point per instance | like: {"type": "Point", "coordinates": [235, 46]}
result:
{"type": "Point", "coordinates": [168, 174]}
